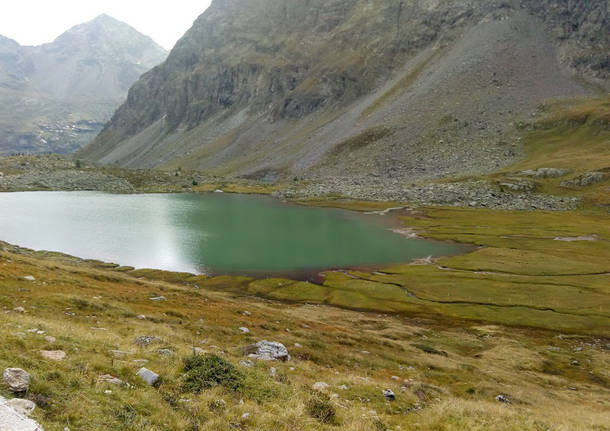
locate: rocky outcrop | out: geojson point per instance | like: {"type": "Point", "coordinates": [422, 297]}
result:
{"type": "Point", "coordinates": [268, 88]}
{"type": "Point", "coordinates": [13, 420]}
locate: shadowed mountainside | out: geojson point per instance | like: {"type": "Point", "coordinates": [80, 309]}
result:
{"type": "Point", "coordinates": [409, 90]}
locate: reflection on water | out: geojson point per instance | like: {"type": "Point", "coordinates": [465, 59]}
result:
{"type": "Point", "coordinates": [198, 233]}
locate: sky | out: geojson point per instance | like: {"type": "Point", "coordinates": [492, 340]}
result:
{"type": "Point", "coordinates": [34, 22]}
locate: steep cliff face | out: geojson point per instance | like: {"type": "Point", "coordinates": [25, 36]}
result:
{"type": "Point", "coordinates": [55, 97]}
{"type": "Point", "coordinates": [354, 87]}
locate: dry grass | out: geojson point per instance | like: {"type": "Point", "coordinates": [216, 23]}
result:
{"type": "Point", "coordinates": [70, 298]}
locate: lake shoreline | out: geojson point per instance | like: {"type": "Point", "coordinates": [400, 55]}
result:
{"type": "Point", "coordinates": [61, 173]}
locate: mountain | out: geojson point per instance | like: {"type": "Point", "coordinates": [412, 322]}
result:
{"type": "Point", "coordinates": [417, 89]}
{"type": "Point", "coordinates": [56, 97]}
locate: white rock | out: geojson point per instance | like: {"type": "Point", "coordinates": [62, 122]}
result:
{"type": "Point", "coordinates": [53, 355]}
{"type": "Point", "coordinates": [150, 377]}
{"type": "Point", "coordinates": [16, 379]}
{"type": "Point", "coordinates": [272, 372]}
{"type": "Point", "coordinates": [244, 330]}
{"type": "Point", "coordinates": [158, 298]}
{"type": "Point", "coordinates": [50, 339]}
{"type": "Point", "coordinates": [21, 406]}
{"type": "Point", "coordinates": [19, 310]}
{"type": "Point", "coordinates": [343, 387]}
{"type": "Point", "coordinates": [245, 416]}
{"type": "Point", "coordinates": [12, 420]}
{"type": "Point", "coordinates": [141, 317]}
{"type": "Point", "coordinates": [29, 278]}
{"type": "Point", "coordinates": [320, 386]}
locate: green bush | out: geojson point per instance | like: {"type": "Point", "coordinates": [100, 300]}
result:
{"type": "Point", "coordinates": [320, 408]}
{"type": "Point", "coordinates": [208, 371]}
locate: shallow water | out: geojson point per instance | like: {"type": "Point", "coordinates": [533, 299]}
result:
{"type": "Point", "coordinates": [217, 233]}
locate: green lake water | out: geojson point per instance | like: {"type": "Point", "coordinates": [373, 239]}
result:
{"type": "Point", "coordinates": [215, 233]}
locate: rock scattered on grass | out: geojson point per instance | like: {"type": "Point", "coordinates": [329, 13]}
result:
{"type": "Point", "coordinates": [246, 363]}
{"type": "Point", "coordinates": [50, 339]}
{"type": "Point", "coordinates": [320, 386]}
{"type": "Point", "coordinates": [112, 380]}
{"type": "Point", "coordinates": [16, 379]}
{"type": "Point", "coordinates": [389, 394]}
{"type": "Point", "coordinates": [268, 351]}
{"type": "Point", "coordinates": [53, 355]}
{"type": "Point", "coordinates": [19, 310]}
{"type": "Point", "coordinates": [158, 298]}
{"type": "Point", "coordinates": [147, 340]}
{"type": "Point", "coordinates": [150, 377]}
{"type": "Point", "coordinates": [29, 278]}
{"type": "Point", "coordinates": [244, 330]}
{"type": "Point", "coordinates": [502, 399]}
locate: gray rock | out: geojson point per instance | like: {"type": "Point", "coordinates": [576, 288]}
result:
{"type": "Point", "coordinates": [246, 363]}
{"type": "Point", "coordinates": [518, 186]}
{"type": "Point", "coordinates": [147, 340]}
{"type": "Point", "coordinates": [110, 379]}
{"type": "Point", "coordinates": [389, 394]}
{"type": "Point", "coordinates": [166, 352]}
{"type": "Point", "coordinates": [21, 406]}
{"type": "Point", "coordinates": [244, 330]}
{"type": "Point", "coordinates": [502, 399]}
{"type": "Point", "coordinates": [545, 173]}
{"type": "Point", "coordinates": [268, 351]}
{"type": "Point", "coordinates": [16, 379]}
{"type": "Point", "coordinates": [158, 298]}
{"type": "Point", "coordinates": [50, 339]}
{"type": "Point", "coordinates": [150, 377]}
{"type": "Point", "coordinates": [19, 310]}
{"type": "Point", "coordinates": [584, 180]}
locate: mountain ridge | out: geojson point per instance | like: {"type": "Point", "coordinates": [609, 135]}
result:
{"type": "Point", "coordinates": [57, 95]}
{"type": "Point", "coordinates": [251, 88]}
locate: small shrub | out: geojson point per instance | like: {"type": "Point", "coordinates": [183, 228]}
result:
{"type": "Point", "coordinates": [204, 372]}
{"type": "Point", "coordinates": [319, 407]}
{"type": "Point", "coordinates": [195, 183]}
{"type": "Point", "coordinates": [77, 164]}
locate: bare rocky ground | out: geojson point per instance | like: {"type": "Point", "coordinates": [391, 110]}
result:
{"type": "Point", "coordinates": [29, 173]}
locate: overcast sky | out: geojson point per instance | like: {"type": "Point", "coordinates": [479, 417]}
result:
{"type": "Point", "coordinates": [33, 22]}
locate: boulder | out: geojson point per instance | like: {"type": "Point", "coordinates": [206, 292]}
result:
{"type": "Point", "coordinates": [17, 380]}
{"type": "Point", "coordinates": [268, 351]}
{"type": "Point", "coordinates": [150, 377]}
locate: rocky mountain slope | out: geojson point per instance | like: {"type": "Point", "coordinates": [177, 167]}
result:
{"type": "Point", "coordinates": [411, 90]}
{"type": "Point", "coordinates": [56, 97]}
